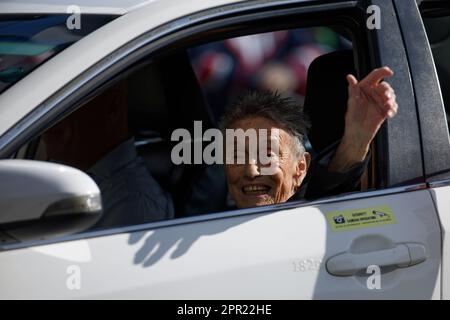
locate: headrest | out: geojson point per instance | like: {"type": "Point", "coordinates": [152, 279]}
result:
{"type": "Point", "coordinates": [146, 100]}
{"type": "Point", "coordinates": [184, 95]}
{"type": "Point", "coordinates": [166, 95]}
{"type": "Point", "coordinates": [326, 97]}
{"type": "Point", "coordinates": [438, 29]}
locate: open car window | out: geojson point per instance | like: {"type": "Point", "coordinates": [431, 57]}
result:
{"type": "Point", "coordinates": [297, 63]}
{"type": "Point", "coordinates": [277, 61]}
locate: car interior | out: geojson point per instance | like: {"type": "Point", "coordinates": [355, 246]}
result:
{"type": "Point", "coordinates": [437, 24]}
{"type": "Point", "coordinates": [165, 94]}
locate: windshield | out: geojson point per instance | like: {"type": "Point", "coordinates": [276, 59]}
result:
{"type": "Point", "coordinates": [29, 40]}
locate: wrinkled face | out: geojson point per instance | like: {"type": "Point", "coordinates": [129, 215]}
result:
{"type": "Point", "coordinates": [246, 184]}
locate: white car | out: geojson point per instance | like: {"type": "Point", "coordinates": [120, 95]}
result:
{"type": "Point", "coordinates": [387, 241]}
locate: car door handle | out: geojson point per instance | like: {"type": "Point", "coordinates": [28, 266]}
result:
{"type": "Point", "coordinates": [401, 256]}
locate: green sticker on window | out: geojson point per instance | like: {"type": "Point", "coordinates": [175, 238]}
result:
{"type": "Point", "coordinates": [360, 218]}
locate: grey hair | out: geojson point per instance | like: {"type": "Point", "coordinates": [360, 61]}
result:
{"type": "Point", "coordinates": [285, 111]}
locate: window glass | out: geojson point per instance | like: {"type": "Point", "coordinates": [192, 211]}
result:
{"type": "Point", "coordinates": [29, 40]}
{"type": "Point", "coordinates": [437, 24]}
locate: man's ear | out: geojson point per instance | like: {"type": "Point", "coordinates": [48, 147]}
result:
{"type": "Point", "coordinates": [301, 169]}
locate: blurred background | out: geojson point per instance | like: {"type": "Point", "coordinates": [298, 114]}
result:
{"type": "Point", "coordinates": [274, 60]}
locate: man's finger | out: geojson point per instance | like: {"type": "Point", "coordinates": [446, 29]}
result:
{"type": "Point", "coordinates": [389, 108]}
{"type": "Point", "coordinates": [384, 92]}
{"type": "Point", "coordinates": [352, 82]}
{"type": "Point", "coordinates": [389, 104]}
{"type": "Point", "coordinates": [392, 109]}
{"type": "Point", "coordinates": [376, 76]}
{"type": "Point", "coordinates": [386, 85]}
{"type": "Point", "coordinates": [373, 94]}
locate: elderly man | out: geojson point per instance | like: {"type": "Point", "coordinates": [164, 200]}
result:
{"type": "Point", "coordinates": [371, 101]}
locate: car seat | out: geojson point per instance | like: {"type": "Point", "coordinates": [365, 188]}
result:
{"type": "Point", "coordinates": [326, 97]}
{"type": "Point", "coordinates": [163, 96]}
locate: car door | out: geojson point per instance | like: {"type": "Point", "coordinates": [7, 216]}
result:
{"type": "Point", "coordinates": [380, 244]}
{"type": "Point", "coordinates": [286, 253]}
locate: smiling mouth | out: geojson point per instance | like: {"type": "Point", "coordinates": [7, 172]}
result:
{"type": "Point", "coordinates": [255, 189]}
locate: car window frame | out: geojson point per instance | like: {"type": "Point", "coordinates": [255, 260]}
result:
{"type": "Point", "coordinates": [71, 96]}
{"type": "Point", "coordinates": [400, 157]}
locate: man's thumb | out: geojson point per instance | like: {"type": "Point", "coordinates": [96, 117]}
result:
{"type": "Point", "coordinates": [352, 82]}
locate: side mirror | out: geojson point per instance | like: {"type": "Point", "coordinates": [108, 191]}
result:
{"type": "Point", "coordinates": [39, 200]}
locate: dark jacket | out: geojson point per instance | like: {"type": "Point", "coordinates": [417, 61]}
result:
{"type": "Point", "coordinates": [320, 182]}
{"type": "Point", "coordinates": [209, 193]}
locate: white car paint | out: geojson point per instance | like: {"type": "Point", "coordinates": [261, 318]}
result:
{"type": "Point", "coordinates": [245, 257]}
{"type": "Point", "coordinates": [442, 202]}
{"type": "Point", "coordinates": [60, 6]}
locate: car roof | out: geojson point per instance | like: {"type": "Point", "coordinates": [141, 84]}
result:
{"type": "Point", "coordinates": [118, 7]}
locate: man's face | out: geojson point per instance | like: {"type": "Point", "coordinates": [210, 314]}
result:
{"type": "Point", "coordinates": [248, 187]}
